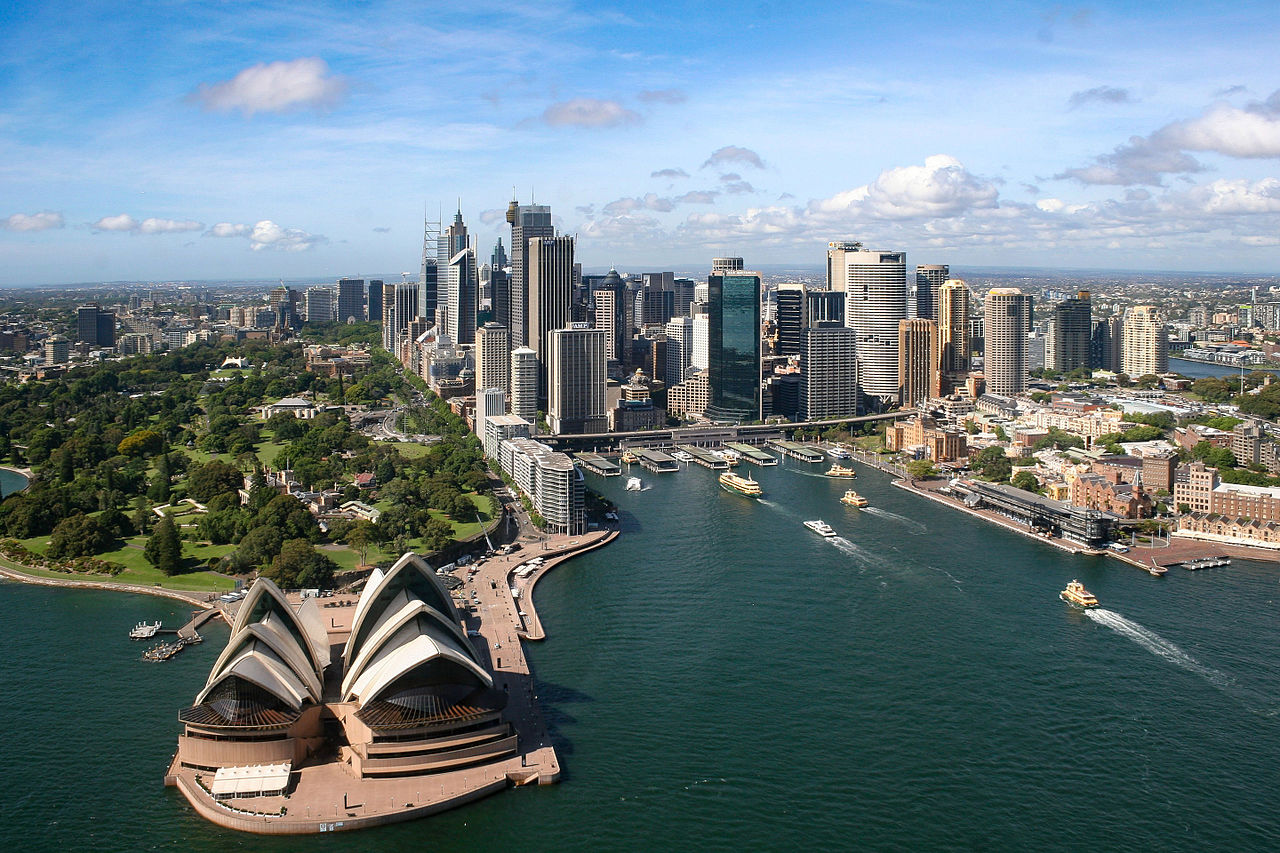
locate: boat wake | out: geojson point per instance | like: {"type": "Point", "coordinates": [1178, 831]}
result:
{"type": "Point", "coordinates": [911, 523]}
{"type": "Point", "coordinates": [1157, 645]}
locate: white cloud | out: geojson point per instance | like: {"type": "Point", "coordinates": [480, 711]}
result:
{"type": "Point", "coordinates": [1099, 95]}
{"type": "Point", "coordinates": [734, 154]}
{"type": "Point", "coordinates": [1228, 197]}
{"type": "Point", "coordinates": [941, 187]}
{"type": "Point", "coordinates": [588, 112]}
{"type": "Point", "coordinates": [120, 222]}
{"type": "Point", "coordinates": [274, 87]}
{"type": "Point", "coordinates": [228, 229]}
{"type": "Point", "coordinates": [268, 235]}
{"type": "Point", "coordinates": [697, 197]}
{"type": "Point", "coordinates": [41, 221]}
{"type": "Point", "coordinates": [1141, 161]}
{"type": "Point", "coordinates": [650, 201]}
{"type": "Point", "coordinates": [493, 214]}
{"type": "Point", "coordinates": [168, 226]}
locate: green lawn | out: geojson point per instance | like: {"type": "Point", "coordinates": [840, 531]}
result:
{"type": "Point", "coordinates": [139, 571]}
{"type": "Point", "coordinates": [411, 449]}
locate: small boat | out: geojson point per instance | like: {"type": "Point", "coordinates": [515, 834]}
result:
{"type": "Point", "coordinates": [838, 452]}
{"type": "Point", "coordinates": [841, 471]}
{"type": "Point", "coordinates": [1076, 594]}
{"type": "Point", "coordinates": [143, 631]}
{"type": "Point", "coordinates": [821, 528]}
{"type": "Point", "coordinates": [634, 484]}
{"type": "Point", "coordinates": [738, 484]}
{"type": "Point", "coordinates": [682, 455]}
{"type": "Point", "coordinates": [852, 498]}
{"type": "Point", "coordinates": [629, 458]}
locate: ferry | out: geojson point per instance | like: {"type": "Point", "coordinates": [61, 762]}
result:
{"type": "Point", "coordinates": [852, 498]}
{"type": "Point", "coordinates": [634, 484]}
{"type": "Point", "coordinates": [841, 471]}
{"type": "Point", "coordinates": [1076, 594]}
{"type": "Point", "coordinates": [821, 528]}
{"type": "Point", "coordinates": [629, 458]}
{"type": "Point", "coordinates": [143, 631]}
{"type": "Point", "coordinates": [733, 457]}
{"type": "Point", "coordinates": [738, 484]}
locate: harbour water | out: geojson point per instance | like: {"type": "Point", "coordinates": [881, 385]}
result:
{"type": "Point", "coordinates": [721, 678]}
{"type": "Point", "coordinates": [10, 482]}
{"type": "Point", "coordinates": [1202, 369]}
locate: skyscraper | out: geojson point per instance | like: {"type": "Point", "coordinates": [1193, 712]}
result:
{"type": "Point", "coordinates": [1106, 344]}
{"type": "Point", "coordinates": [524, 384]}
{"type": "Point", "coordinates": [500, 285]}
{"type": "Point", "coordinates": [799, 308]}
{"type": "Point", "coordinates": [734, 345]}
{"type": "Point", "coordinates": [611, 316]}
{"type": "Point", "coordinates": [351, 300]}
{"type": "Point", "coordinates": [837, 278]}
{"type": "Point", "coordinates": [1006, 321]}
{"type": "Point", "coordinates": [493, 357]}
{"type": "Point", "coordinates": [576, 380]}
{"type": "Point", "coordinates": [725, 264]}
{"type": "Point", "coordinates": [875, 286]}
{"type": "Point", "coordinates": [452, 240]}
{"type": "Point", "coordinates": [388, 317]}
{"type": "Point", "coordinates": [549, 294]}
{"type": "Point", "coordinates": [679, 349]}
{"type": "Point", "coordinates": [461, 293]}
{"type": "Point", "coordinates": [917, 360]}
{"type": "Point", "coordinates": [317, 304]}
{"type": "Point", "coordinates": [95, 326]}
{"type": "Point", "coordinates": [829, 371]}
{"type": "Point", "coordinates": [374, 300]}
{"type": "Point", "coordinates": [953, 335]}
{"type": "Point", "coordinates": [527, 221]}
{"type": "Point", "coordinates": [429, 281]}
{"type": "Point", "coordinates": [929, 280]}
{"type": "Point", "coordinates": [1072, 334]}
{"type": "Point", "coordinates": [406, 309]}
{"type": "Point", "coordinates": [490, 402]}
{"type": "Point", "coordinates": [1146, 342]}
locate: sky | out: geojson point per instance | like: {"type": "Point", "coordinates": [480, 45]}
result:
{"type": "Point", "coordinates": [187, 141]}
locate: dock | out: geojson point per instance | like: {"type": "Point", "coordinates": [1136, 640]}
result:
{"type": "Point", "coordinates": [597, 464]}
{"type": "Point", "coordinates": [797, 451]}
{"type": "Point", "coordinates": [1206, 563]}
{"type": "Point", "coordinates": [656, 461]}
{"type": "Point", "coordinates": [705, 458]}
{"type": "Point", "coordinates": [752, 454]}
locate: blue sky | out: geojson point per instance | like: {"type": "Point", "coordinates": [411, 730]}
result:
{"type": "Point", "coordinates": [215, 140]}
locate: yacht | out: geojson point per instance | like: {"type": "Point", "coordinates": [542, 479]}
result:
{"type": "Point", "coordinates": [738, 484]}
{"type": "Point", "coordinates": [852, 498]}
{"type": "Point", "coordinates": [634, 484]}
{"type": "Point", "coordinates": [682, 455]}
{"type": "Point", "coordinates": [835, 451]}
{"type": "Point", "coordinates": [1076, 594]}
{"type": "Point", "coordinates": [629, 458]}
{"type": "Point", "coordinates": [838, 470]}
{"type": "Point", "coordinates": [821, 528]}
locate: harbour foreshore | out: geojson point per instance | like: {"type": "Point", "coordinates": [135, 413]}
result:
{"type": "Point", "coordinates": [17, 574]}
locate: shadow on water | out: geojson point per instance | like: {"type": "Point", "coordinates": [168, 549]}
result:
{"type": "Point", "coordinates": [553, 699]}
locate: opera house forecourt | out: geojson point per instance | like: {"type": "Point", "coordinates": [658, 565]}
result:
{"type": "Point", "coordinates": [332, 714]}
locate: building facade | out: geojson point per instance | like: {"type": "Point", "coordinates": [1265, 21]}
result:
{"type": "Point", "coordinates": [734, 345]}
{"type": "Point", "coordinates": [1007, 320]}
{"type": "Point", "coordinates": [1146, 342]}
{"type": "Point", "coordinates": [875, 288]}
{"type": "Point", "coordinates": [576, 381]}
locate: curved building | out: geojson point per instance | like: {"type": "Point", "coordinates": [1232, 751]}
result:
{"type": "Point", "coordinates": [1007, 318]}
{"type": "Point", "coordinates": [875, 288]}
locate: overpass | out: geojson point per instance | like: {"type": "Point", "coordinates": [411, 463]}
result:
{"type": "Point", "coordinates": [706, 433]}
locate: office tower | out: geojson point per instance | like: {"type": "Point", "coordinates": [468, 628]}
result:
{"type": "Point", "coordinates": [493, 357]}
{"type": "Point", "coordinates": [725, 264]}
{"type": "Point", "coordinates": [95, 326]}
{"type": "Point", "coordinates": [1146, 342]}
{"type": "Point", "coordinates": [701, 295]}
{"type": "Point", "coordinates": [837, 277]}
{"type": "Point", "coordinates": [828, 384]}
{"type": "Point", "coordinates": [429, 281]}
{"type": "Point", "coordinates": [679, 349]}
{"type": "Point", "coordinates": [490, 402]}
{"type": "Point", "coordinates": [611, 316]}
{"type": "Point", "coordinates": [317, 304]}
{"type": "Point", "coordinates": [1106, 344]}
{"type": "Point", "coordinates": [875, 289]}
{"type": "Point", "coordinates": [350, 300]}
{"type": "Point", "coordinates": [917, 360]}
{"type": "Point", "coordinates": [733, 345]}
{"type": "Point", "coordinates": [460, 295]}
{"type": "Point", "coordinates": [406, 310]}
{"type": "Point", "coordinates": [953, 335]}
{"type": "Point", "coordinates": [549, 295]}
{"type": "Point", "coordinates": [1007, 317]}
{"type": "Point", "coordinates": [498, 257]}
{"type": "Point", "coordinates": [452, 240]}
{"type": "Point", "coordinates": [1072, 334]}
{"type": "Point", "coordinates": [929, 280]}
{"type": "Point", "coordinates": [374, 301]}
{"type": "Point", "coordinates": [57, 350]}
{"type": "Point", "coordinates": [524, 384]}
{"type": "Point", "coordinates": [285, 304]}
{"type": "Point", "coordinates": [527, 221]}
{"type": "Point", "coordinates": [576, 380]}
{"type": "Point", "coordinates": [798, 308]}
{"type": "Point", "coordinates": [388, 316]}
{"type": "Point", "coordinates": [701, 358]}
{"type": "Point", "coordinates": [659, 281]}
{"type": "Point", "coordinates": [654, 307]}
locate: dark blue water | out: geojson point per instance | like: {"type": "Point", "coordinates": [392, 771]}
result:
{"type": "Point", "coordinates": [1200, 369]}
{"type": "Point", "coordinates": [10, 482]}
{"type": "Point", "coordinates": [721, 678]}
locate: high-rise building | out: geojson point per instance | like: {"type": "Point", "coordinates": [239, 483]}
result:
{"type": "Point", "coordinates": [929, 280]}
{"type": "Point", "coordinates": [725, 264]}
{"type": "Point", "coordinates": [524, 384]}
{"type": "Point", "coordinates": [460, 295]}
{"type": "Point", "coordinates": [374, 300]}
{"type": "Point", "coordinates": [683, 289]}
{"type": "Point", "coordinates": [798, 308]}
{"type": "Point", "coordinates": [57, 350]}
{"type": "Point", "coordinates": [1007, 318]}
{"type": "Point", "coordinates": [429, 281]}
{"type": "Point", "coordinates": [284, 302]}
{"type": "Point", "coordinates": [549, 275]}
{"type": "Point", "coordinates": [837, 277]}
{"type": "Point", "coordinates": [679, 349]}
{"type": "Point", "coordinates": [611, 316]}
{"type": "Point", "coordinates": [953, 335]}
{"type": "Point", "coordinates": [500, 285]}
{"type": "Point", "coordinates": [317, 304]}
{"type": "Point", "coordinates": [452, 240]}
{"type": "Point", "coordinates": [407, 310]}
{"type": "Point", "coordinates": [95, 326]}
{"type": "Point", "coordinates": [917, 360]}
{"type": "Point", "coordinates": [654, 307]}
{"type": "Point", "coordinates": [1106, 344]}
{"type": "Point", "coordinates": [576, 380]}
{"type": "Point", "coordinates": [527, 221]}
{"type": "Point", "coordinates": [701, 355]}
{"type": "Point", "coordinates": [493, 357]}
{"type": "Point", "coordinates": [1071, 335]}
{"type": "Point", "coordinates": [733, 344]}
{"type": "Point", "coordinates": [1146, 342]}
{"type": "Point", "coordinates": [875, 289]}
{"type": "Point", "coordinates": [388, 316]}
{"type": "Point", "coordinates": [351, 300]}
{"type": "Point", "coordinates": [829, 371]}
{"type": "Point", "coordinates": [490, 402]}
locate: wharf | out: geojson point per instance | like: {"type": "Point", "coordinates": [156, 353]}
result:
{"type": "Point", "coordinates": [797, 451]}
{"type": "Point", "coordinates": [597, 464]}
{"type": "Point", "coordinates": [656, 461]}
{"type": "Point", "coordinates": [754, 455]}
{"type": "Point", "coordinates": [705, 458]}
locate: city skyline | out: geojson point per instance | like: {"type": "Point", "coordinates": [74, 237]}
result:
{"type": "Point", "coordinates": [211, 143]}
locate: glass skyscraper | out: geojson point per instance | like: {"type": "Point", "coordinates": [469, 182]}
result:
{"type": "Point", "coordinates": [734, 345]}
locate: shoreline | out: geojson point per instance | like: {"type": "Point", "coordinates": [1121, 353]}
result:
{"type": "Point", "coordinates": [20, 576]}
{"type": "Point", "coordinates": [534, 631]}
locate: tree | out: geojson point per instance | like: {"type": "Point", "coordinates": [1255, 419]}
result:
{"type": "Point", "coordinates": [1026, 481]}
{"type": "Point", "coordinates": [300, 565]}
{"type": "Point", "coordinates": [143, 442]}
{"type": "Point", "coordinates": [921, 469]}
{"type": "Point", "coordinates": [212, 479]}
{"type": "Point", "coordinates": [79, 536]}
{"type": "Point", "coordinates": [259, 546]}
{"type": "Point", "coordinates": [164, 548]}
{"type": "Point", "coordinates": [971, 427]}
{"type": "Point", "coordinates": [362, 535]}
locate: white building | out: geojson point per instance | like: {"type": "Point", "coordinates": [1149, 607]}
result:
{"type": "Point", "coordinates": [500, 428]}
{"type": "Point", "coordinates": [318, 304]}
{"type": "Point", "coordinates": [1146, 343]}
{"type": "Point", "coordinates": [489, 402]}
{"type": "Point", "coordinates": [1007, 319]}
{"type": "Point", "coordinates": [550, 480]}
{"type": "Point", "coordinates": [493, 357]}
{"type": "Point", "coordinates": [875, 288]}
{"type": "Point", "coordinates": [524, 384]}
{"type": "Point", "coordinates": [700, 356]}
{"type": "Point", "coordinates": [679, 349]}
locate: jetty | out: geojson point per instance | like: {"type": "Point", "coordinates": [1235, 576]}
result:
{"type": "Point", "coordinates": [597, 464]}
{"type": "Point", "coordinates": [656, 461]}
{"type": "Point", "coordinates": [1206, 563]}
{"type": "Point", "coordinates": [752, 454]}
{"type": "Point", "coordinates": [797, 451]}
{"type": "Point", "coordinates": [705, 458]}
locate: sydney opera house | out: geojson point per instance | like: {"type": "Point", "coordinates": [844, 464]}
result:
{"type": "Point", "coordinates": [303, 700]}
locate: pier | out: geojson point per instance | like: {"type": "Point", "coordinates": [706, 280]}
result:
{"type": "Point", "coordinates": [754, 455]}
{"type": "Point", "coordinates": [797, 451]}
{"type": "Point", "coordinates": [705, 458]}
{"type": "Point", "coordinates": [597, 464]}
{"type": "Point", "coordinates": [656, 461]}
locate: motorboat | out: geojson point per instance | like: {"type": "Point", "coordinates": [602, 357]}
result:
{"type": "Point", "coordinates": [143, 631]}
{"type": "Point", "coordinates": [838, 452]}
{"type": "Point", "coordinates": [634, 484]}
{"type": "Point", "coordinates": [821, 528]}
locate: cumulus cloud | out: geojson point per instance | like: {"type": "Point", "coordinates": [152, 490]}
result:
{"type": "Point", "coordinates": [1235, 197]}
{"type": "Point", "coordinates": [669, 173]}
{"type": "Point", "coordinates": [168, 226]}
{"type": "Point", "coordinates": [1099, 95]}
{"type": "Point", "coordinates": [697, 197]}
{"type": "Point", "coordinates": [493, 214]}
{"type": "Point", "coordinates": [1140, 161]}
{"type": "Point", "coordinates": [663, 96]}
{"type": "Point", "coordinates": [738, 187]}
{"type": "Point", "coordinates": [120, 222]}
{"type": "Point", "coordinates": [274, 87]}
{"type": "Point", "coordinates": [734, 154]}
{"type": "Point", "coordinates": [939, 188]}
{"type": "Point", "coordinates": [42, 221]}
{"type": "Point", "coordinates": [228, 229]}
{"type": "Point", "coordinates": [586, 209]}
{"type": "Point", "coordinates": [729, 177]}
{"type": "Point", "coordinates": [266, 234]}
{"type": "Point", "coordinates": [650, 201]}
{"type": "Point", "coordinates": [589, 112]}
